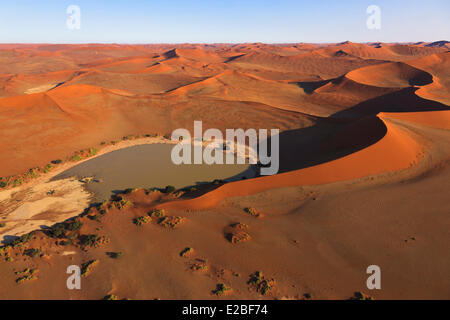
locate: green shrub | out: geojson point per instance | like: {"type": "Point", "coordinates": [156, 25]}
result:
{"type": "Point", "coordinates": [221, 288]}
{"type": "Point", "coordinates": [76, 157]}
{"type": "Point", "coordinates": [92, 152]}
{"type": "Point", "coordinates": [74, 225]}
{"type": "Point", "coordinates": [157, 213]}
{"type": "Point", "coordinates": [33, 252]}
{"type": "Point", "coordinates": [89, 239]}
{"type": "Point", "coordinates": [22, 239]}
{"type": "Point", "coordinates": [86, 267]}
{"type": "Point", "coordinates": [58, 231]}
{"type": "Point", "coordinates": [142, 220]}
{"type": "Point", "coordinates": [48, 167]}
{"type": "Point", "coordinates": [186, 252]}
{"type": "Point", "coordinates": [169, 189]}
{"type": "Point", "coordinates": [114, 255]}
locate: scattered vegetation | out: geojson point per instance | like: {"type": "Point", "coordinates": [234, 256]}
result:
{"type": "Point", "coordinates": [260, 283]}
{"type": "Point", "coordinates": [22, 239]}
{"type": "Point", "coordinates": [186, 252]}
{"type": "Point", "coordinates": [361, 296]}
{"type": "Point", "coordinates": [157, 213]}
{"type": "Point", "coordinates": [47, 168]}
{"type": "Point", "coordinates": [110, 297]}
{"type": "Point", "coordinates": [26, 275]}
{"type": "Point", "coordinates": [169, 189]}
{"type": "Point", "coordinates": [86, 268]}
{"type": "Point", "coordinates": [58, 231]}
{"type": "Point", "coordinates": [74, 225]}
{"type": "Point", "coordinates": [171, 221]}
{"type": "Point", "coordinates": [2, 225]}
{"type": "Point", "coordinates": [120, 204]}
{"type": "Point", "coordinates": [253, 212]}
{"type": "Point", "coordinates": [221, 289]}
{"type": "Point", "coordinates": [94, 217]}
{"type": "Point", "coordinates": [33, 252]}
{"type": "Point", "coordinates": [92, 152]}
{"type": "Point", "coordinates": [114, 255]}
{"type": "Point", "coordinates": [89, 239]}
{"type": "Point", "coordinates": [142, 220]}
{"type": "Point", "coordinates": [130, 190]}
{"type": "Point", "coordinates": [199, 264]}
{"type": "Point", "coordinates": [237, 232]}
{"type": "Point", "coordinates": [76, 157]}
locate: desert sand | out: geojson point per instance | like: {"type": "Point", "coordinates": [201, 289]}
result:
{"type": "Point", "coordinates": [363, 179]}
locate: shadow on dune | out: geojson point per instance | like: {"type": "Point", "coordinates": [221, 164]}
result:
{"type": "Point", "coordinates": [347, 131]}
{"type": "Point", "coordinates": [310, 86]}
{"type": "Point", "coordinates": [404, 100]}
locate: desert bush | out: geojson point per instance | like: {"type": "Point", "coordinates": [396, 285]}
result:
{"type": "Point", "coordinates": [221, 288]}
{"type": "Point", "coordinates": [142, 220]}
{"type": "Point", "coordinates": [157, 213]}
{"type": "Point", "coordinates": [187, 251]}
{"type": "Point", "coordinates": [261, 284]}
{"type": "Point", "coordinates": [58, 231]}
{"type": "Point", "coordinates": [86, 267]}
{"type": "Point", "coordinates": [74, 225]}
{"type": "Point", "coordinates": [114, 255]}
{"type": "Point", "coordinates": [17, 182]}
{"type": "Point", "coordinates": [170, 221]}
{"type": "Point", "coordinates": [47, 168]}
{"type": "Point", "coordinates": [169, 189]}
{"type": "Point", "coordinates": [92, 152]}
{"type": "Point", "coordinates": [361, 296]}
{"type": "Point", "coordinates": [252, 211]}
{"type": "Point", "coordinates": [89, 240]}
{"type": "Point", "coordinates": [75, 158]}
{"type": "Point", "coordinates": [22, 239]}
{"type": "Point", "coordinates": [33, 252]}
{"type": "Point", "coordinates": [57, 161]}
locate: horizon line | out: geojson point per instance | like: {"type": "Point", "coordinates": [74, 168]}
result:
{"type": "Point", "coordinates": [214, 43]}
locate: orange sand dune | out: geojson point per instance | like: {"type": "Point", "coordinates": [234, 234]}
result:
{"type": "Point", "coordinates": [304, 64]}
{"type": "Point", "coordinates": [137, 83]}
{"type": "Point", "coordinates": [437, 119]}
{"type": "Point", "coordinates": [392, 74]}
{"type": "Point", "coordinates": [395, 151]}
{"type": "Point", "coordinates": [234, 85]}
{"type": "Point", "coordinates": [439, 66]}
{"type": "Point", "coordinates": [391, 52]}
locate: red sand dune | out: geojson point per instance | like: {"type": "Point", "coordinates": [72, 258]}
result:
{"type": "Point", "coordinates": [395, 151]}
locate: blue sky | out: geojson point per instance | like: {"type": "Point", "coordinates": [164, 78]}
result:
{"type": "Point", "coordinates": [199, 21]}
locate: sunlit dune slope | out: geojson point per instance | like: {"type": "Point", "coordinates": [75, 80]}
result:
{"type": "Point", "coordinates": [392, 74]}
{"type": "Point", "coordinates": [397, 149]}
